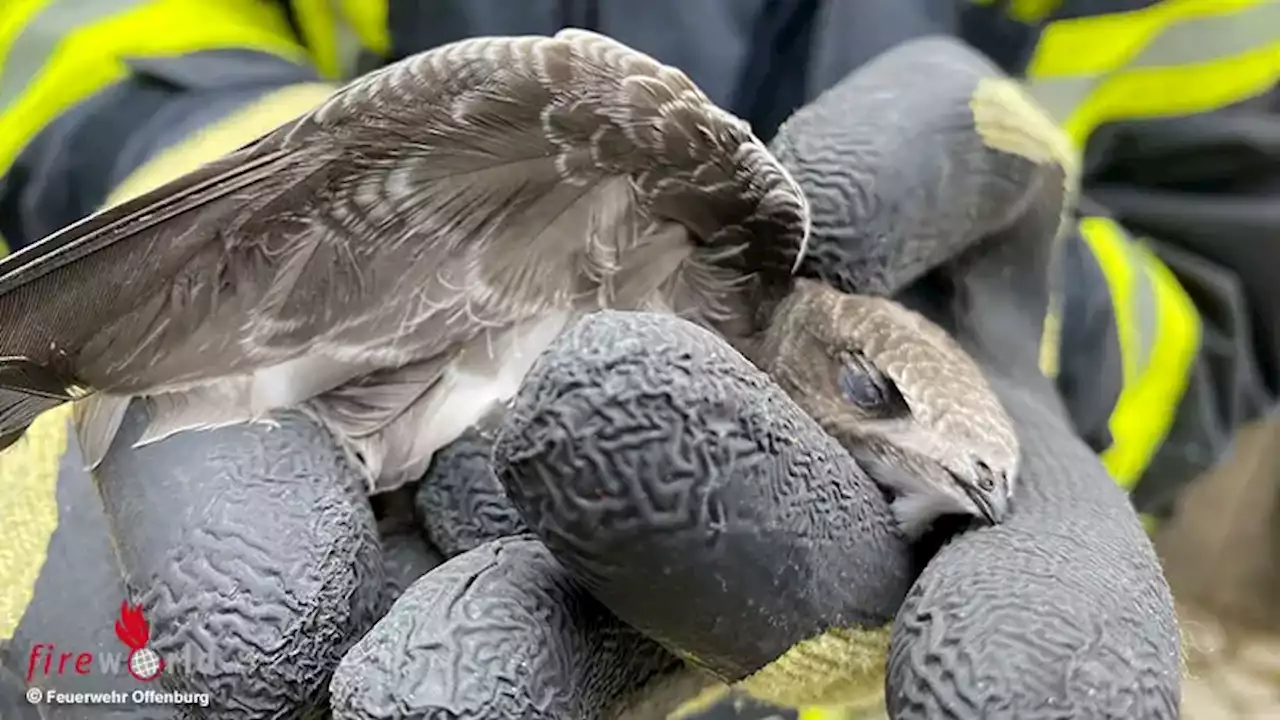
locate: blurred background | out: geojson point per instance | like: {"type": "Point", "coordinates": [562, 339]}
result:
{"type": "Point", "coordinates": [1220, 555]}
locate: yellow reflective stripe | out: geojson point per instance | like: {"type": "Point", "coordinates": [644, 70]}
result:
{"type": "Point", "coordinates": [1159, 335]}
{"type": "Point", "coordinates": [32, 47]}
{"type": "Point", "coordinates": [703, 701]}
{"type": "Point", "coordinates": [1177, 91]}
{"type": "Point", "coordinates": [336, 30]}
{"type": "Point", "coordinates": [826, 713]}
{"type": "Point", "coordinates": [1150, 523]}
{"type": "Point", "coordinates": [1027, 11]}
{"type": "Point", "coordinates": [1032, 11]}
{"type": "Point", "coordinates": [1177, 57]}
{"type": "Point", "coordinates": [319, 28]}
{"type": "Point", "coordinates": [1050, 359]}
{"type": "Point", "coordinates": [219, 138]}
{"type": "Point", "coordinates": [29, 511]}
{"type": "Point", "coordinates": [90, 57]}
{"type": "Point", "coordinates": [712, 696]}
{"type": "Point", "coordinates": [14, 18]}
{"type": "Point", "coordinates": [1097, 44]}
{"type": "Point", "coordinates": [368, 18]}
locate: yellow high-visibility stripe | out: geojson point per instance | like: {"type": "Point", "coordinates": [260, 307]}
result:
{"type": "Point", "coordinates": [1177, 57]}
{"type": "Point", "coordinates": [29, 512]}
{"type": "Point", "coordinates": [1027, 11]}
{"type": "Point", "coordinates": [1177, 91]}
{"type": "Point", "coordinates": [713, 695]}
{"type": "Point", "coordinates": [90, 57]}
{"type": "Point", "coordinates": [1156, 355]}
{"type": "Point", "coordinates": [826, 713]}
{"type": "Point", "coordinates": [319, 28]}
{"type": "Point", "coordinates": [31, 48]}
{"type": "Point", "coordinates": [368, 18]}
{"type": "Point", "coordinates": [1150, 523]}
{"type": "Point", "coordinates": [1159, 389]}
{"type": "Point", "coordinates": [1098, 44]}
{"type": "Point", "coordinates": [1173, 58]}
{"type": "Point", "coordinates": [14, 18]}
{"type": "Point", "coordinates": [1050, 358]}
{"type": "Point", "coordinates": [1109, 245]}
{"type": "Point", "coordinates": [1032, 11]}
{"type": "Point", "coordinates": [219, 138]}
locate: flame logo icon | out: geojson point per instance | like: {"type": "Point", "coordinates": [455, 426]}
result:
{"type": "Point", "coordinates": [133, 630]}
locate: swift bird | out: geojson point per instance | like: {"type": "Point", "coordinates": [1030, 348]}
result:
{"type": "Point", "coordinates": [902, 396]}
{"type": "Point", "coordinates": [909, 164]}
{"type": "Point", "coordinates": [393, 262]}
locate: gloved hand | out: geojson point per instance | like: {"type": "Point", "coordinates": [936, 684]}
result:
{"type": "Point", "coordinates": [668, 506]}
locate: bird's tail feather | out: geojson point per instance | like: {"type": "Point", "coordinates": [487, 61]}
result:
{"type": "Point", "coordinates": [96, 420]}
{"type": "Point", "coordinates": [383, 422]}
{"type": "Point", "coordinates": [392, 423]}
{"type": "Point", "coordinates": [31, 378]}
{"type": "Point", "coordinates": [18, 410]}
{"type": "Point", "coordinates": [226, 401]}
{"type": "Point", "coordinates": [201, 408]}
{"type": "Point", "coordinates": [27, 390]}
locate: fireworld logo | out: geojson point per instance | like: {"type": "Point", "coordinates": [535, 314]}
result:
{"type": "Point", "coordinates": [142, 662]}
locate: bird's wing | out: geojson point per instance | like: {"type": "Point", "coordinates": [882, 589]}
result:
{"type": "Point", "coordinates": [57, 293]}
{"type": "Point", "coordinates": [460, 189]}
{"type": "Point", "coordinates": [464, 190]}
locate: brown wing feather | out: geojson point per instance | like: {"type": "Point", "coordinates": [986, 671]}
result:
{"type": "Point", "coordinates": [458, 191]}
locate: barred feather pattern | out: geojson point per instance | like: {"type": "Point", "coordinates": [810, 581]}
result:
{"type": "Point", "coordinates": [371, 261]}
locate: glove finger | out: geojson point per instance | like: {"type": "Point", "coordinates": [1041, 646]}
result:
{"type": "Point", "coordinates": [703, 507]}
{"type": "Point", "coordinates": [1070, 581]}
{"type": "Point", "coordinates": [500, 631]}
{"type": "Point", "coordinates": [918, 156]}
{"type": "Point", "coordinates": [460, 502]}
{"type": "Point", "coordinates": [13, 702]}
{"type": "Point", "coordinates": [75, 597]}
{"type": "Point", "coordinates": [1063, 605]}
{"type": "Point", "coordinates": [406, 554]}
{"type": "Point", "coordinates": [253, 555]}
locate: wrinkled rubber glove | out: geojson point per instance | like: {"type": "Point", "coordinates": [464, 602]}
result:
{"type": "Point", "coordinates": [248, 545]}
{"type": "Point", "coordinates": [639, 455]}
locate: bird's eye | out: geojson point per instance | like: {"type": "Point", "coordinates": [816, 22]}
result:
{"type": "Point", "coordinates": [863, 385]}
{"type": "Point", "coordinates": [986, 478]}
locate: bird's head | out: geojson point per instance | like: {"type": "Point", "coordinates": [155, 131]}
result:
{"type": "Point", "coordinates": [902, 397]}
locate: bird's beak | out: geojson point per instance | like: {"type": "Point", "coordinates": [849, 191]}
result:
{"type": "Point", "coordinates": [980, 500]}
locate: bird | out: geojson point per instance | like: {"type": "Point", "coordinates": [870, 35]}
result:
{"type": "Point", "coordinates": [902, 396]}
{"type": "Point", "coordinates": [921, 161]}
{"type": "Point", "coordinates": [890, 386]}
{"type": "Point", "coordinates": [393, 262]}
